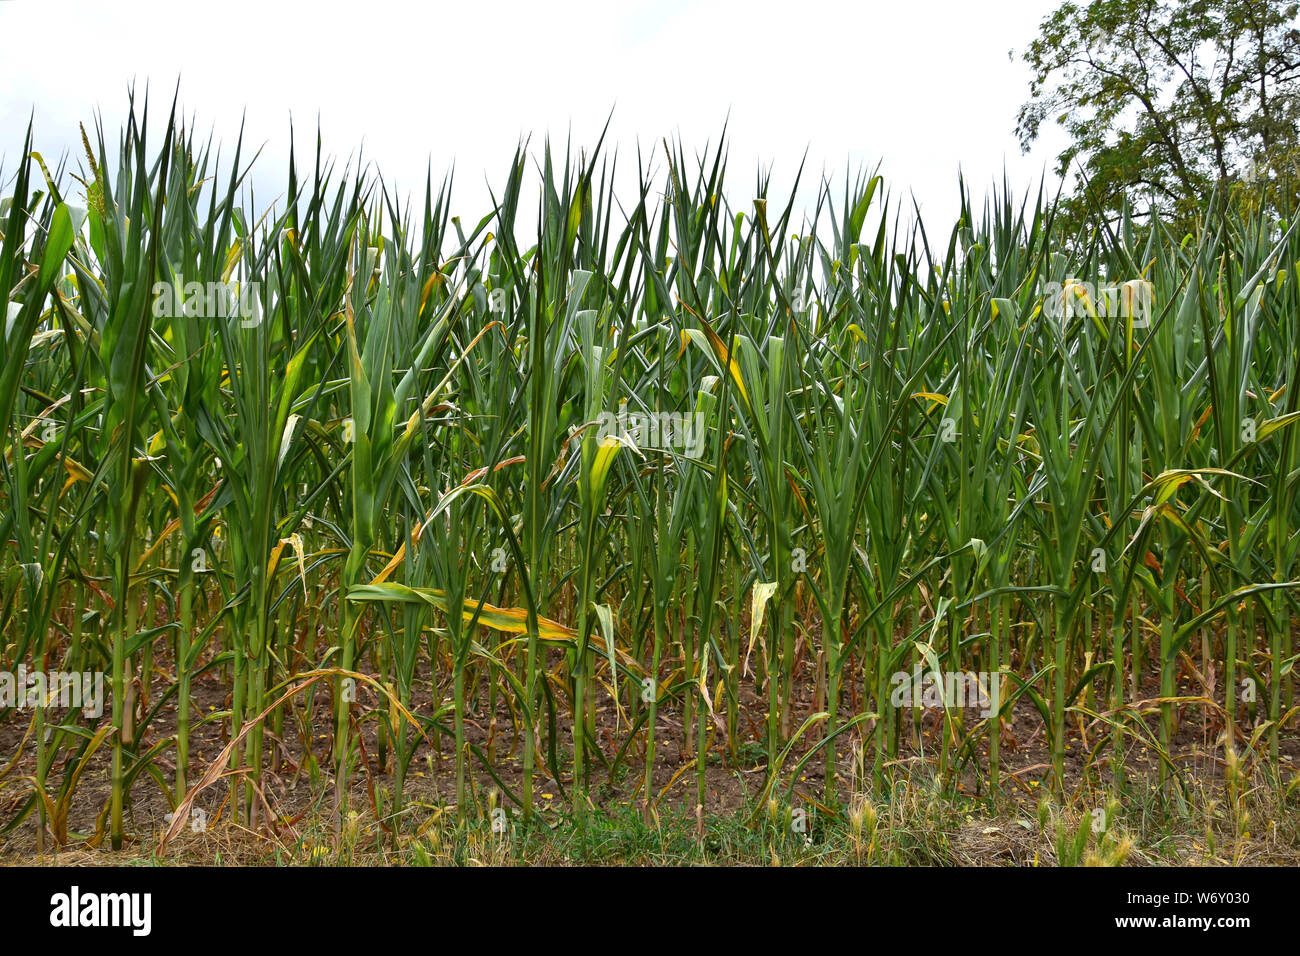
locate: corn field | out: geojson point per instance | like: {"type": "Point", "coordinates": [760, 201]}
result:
{"type": "Point", "coordinates": [590, 477]}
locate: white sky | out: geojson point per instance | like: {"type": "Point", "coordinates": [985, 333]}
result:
{"type": "Point", "coordinates": [923, 87]}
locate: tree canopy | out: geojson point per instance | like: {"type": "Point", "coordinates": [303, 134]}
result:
{"type": "Point", "coordinates": [1168, 103]}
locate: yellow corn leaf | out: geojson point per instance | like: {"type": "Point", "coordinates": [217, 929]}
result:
{"type": "Point", "coordinates": [758, 598]}
{"type": "Point", "coordinates": [232, 259]}
{"type": "Point", "coordinates": [509, 620]}
{"type": "Point", "coordinates": [604, 460]}
{"type": "Point", "coordinates": [936, 397]}
{"type": "Point", "coordinates": [170, 528]}
{"type": "Point", "coordinates": [1273, 424]}
{"type": "Point", "coordinates": [1166, 484]}
{"type": "Point", "coordinates": [719, 349]}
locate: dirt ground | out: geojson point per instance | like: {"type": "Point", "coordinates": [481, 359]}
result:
{"type": "Point", "coordinates": [297, 786]}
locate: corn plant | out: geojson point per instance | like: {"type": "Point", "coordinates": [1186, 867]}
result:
{"type": "Point", "coordinates": [379, 463]}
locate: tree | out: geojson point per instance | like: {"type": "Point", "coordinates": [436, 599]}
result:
{"type": "Point", "coordinates": [1169, 103]}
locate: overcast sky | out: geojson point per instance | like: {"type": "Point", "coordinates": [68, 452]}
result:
{"type": "Point", "coordinates": [922, 87]}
